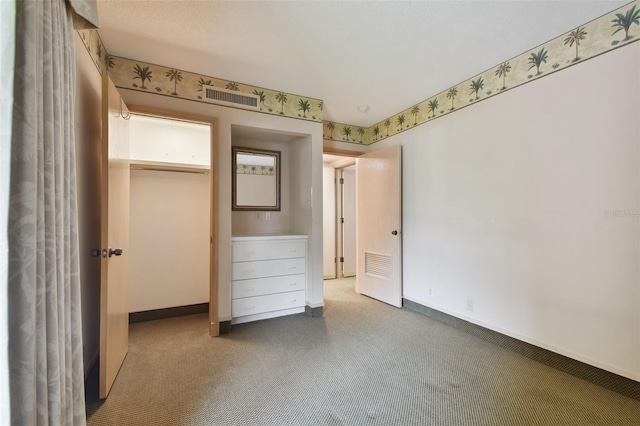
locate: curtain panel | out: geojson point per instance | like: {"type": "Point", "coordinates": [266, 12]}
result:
{"type": "Point", "coordinates": [7, 31]}
{"type": "Point", "coordinates": [46, 374]}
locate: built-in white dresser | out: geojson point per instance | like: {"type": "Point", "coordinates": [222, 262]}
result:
{"type": "Point", "coordinates": [269, 276]}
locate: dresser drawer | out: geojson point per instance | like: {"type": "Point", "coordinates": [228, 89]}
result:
{"type": "Point", "coordinates": [267, 268]}
{"type": "Point", "coordinates": [268, 303]}
{"type": "Point", "coordinates": [261, 286]}
{"type": "Point", "coordinates": [244, 252]}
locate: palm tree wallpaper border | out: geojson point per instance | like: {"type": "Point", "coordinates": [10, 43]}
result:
{"type": "Point", "coordinates": [169, 81]}
{"type": "Point", "coordinates": [611, 31]}
{"type": "Point", "coordinates": [92, 41]}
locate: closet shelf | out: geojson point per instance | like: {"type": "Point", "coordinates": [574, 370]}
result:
{"type": "Point", "coordinates": [168, 167]}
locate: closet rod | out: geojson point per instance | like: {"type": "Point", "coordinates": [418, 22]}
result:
{"type": "Point", "coordinates": [178, 169]}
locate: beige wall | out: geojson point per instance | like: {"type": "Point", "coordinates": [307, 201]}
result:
{"type": "Point", "coordinates": [244, 222]}
{"type": "Point", "coordinates": [88, 145]}
{"type": "Point", "coordinates": [169, 239]}
{"type": "Point", "coordinates": [512, 203]}
{"type": "Point", "coordinates": [169, 141]}
{"type": "Point", "coordinates": [348, 251]}
{"type": "Point", "coordinates": [256, 190]}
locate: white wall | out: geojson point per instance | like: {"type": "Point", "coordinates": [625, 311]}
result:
{"type": "Point", "coordinates": [301, 186]}
{"type": "Point", "coordinates": [169, 239]}
{"type": "Point", "coordinates": [508, 203]}
{"type": "Point", "coordinates": [226, 118]}
{"type": "Point", "coordinates": [7, 31]}
{"type": "Point", "coordinates": [88, 135]}
{"type": "Point", "coordinates": [306, 206]}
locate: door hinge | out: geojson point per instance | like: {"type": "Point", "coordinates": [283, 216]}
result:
{"type": "Point", "coordinates": [341, 181]}
{"type": "Point", "coordinates": [342, 220]}
{"type": "Point", "coordinates": [341, 259]}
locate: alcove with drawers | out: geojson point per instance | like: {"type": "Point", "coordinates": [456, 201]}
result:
{"type": "Point", "coordinates": [268, 276]}
{"type": "Point", "coordinates": [270, 267]}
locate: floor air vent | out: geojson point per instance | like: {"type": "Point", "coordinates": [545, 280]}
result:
{"type": "Point", "coordinates": [232, 98]}
{"type": "Point", "coordinates": [377, 265]}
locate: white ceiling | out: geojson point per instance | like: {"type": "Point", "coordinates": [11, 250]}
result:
{"type": "Point", "coordinates": [386, 54]}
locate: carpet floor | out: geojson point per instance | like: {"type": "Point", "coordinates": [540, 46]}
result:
{"type": "Point", "coordinates": [363, 363]}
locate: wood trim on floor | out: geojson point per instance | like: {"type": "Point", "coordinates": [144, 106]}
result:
{"type": "Point", "coordinates": [225, 327]}
{"type": "Point", "coordinates": [313, 312]}
{"type": "Point", "coordinates": [606, 379]}
{"type": "Point", "coordinates": [178, 311]}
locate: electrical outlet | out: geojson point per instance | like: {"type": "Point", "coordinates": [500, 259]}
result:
{"type": "Point", "coordinates": [267, 215]}
{"type": "Point", "coordinates": [257, 215]}
{"type": "Point", "coordinates": [430, 292]}
{"type": "Point", "coordinates": [470, 305]}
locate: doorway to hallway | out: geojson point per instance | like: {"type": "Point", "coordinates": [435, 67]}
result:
{"type": "Point", "coordinates": [339, 216]}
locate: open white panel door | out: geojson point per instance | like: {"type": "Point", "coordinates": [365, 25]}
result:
{"type": "Point", "coordinates": [114, 212]}
{"type": "Point", "coordinates": [379, 225]}
{"type": "Point", "coordinates": [349, 223]}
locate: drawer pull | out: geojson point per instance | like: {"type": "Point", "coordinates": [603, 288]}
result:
{"type": "Point", "coordinates": [293, 251]}
{"type": "Point", "coordinates": [293, 301]}
{"type": "Point", "coordinates": [292, 267]}
{"type": "Point", "coordinates": [249, 270]}
{"type": "Point", "coordinates": [251, 288]}
{"type": "Point", "coordinates": [249, 252]}
{"type": "Point", "coordinates": [251, 307]}
{"type": "Point", "coordinates": [294, 283]}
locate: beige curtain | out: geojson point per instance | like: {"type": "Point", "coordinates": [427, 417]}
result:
{"type": "Point", "coordinates": [46, 375]}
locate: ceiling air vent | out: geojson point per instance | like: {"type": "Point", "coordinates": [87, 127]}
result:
{"type": "Point", "coordinates": [232, 98]}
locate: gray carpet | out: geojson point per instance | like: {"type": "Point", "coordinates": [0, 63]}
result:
{"type": "Point", "coordinates": [363, 363]}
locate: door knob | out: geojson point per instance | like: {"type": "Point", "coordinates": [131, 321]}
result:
{"type": "Point", "coordinates": [394, 232]}
{"type": "Point", "coordinates": [115, 252]}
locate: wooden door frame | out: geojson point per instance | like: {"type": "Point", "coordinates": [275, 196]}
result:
{"type": "Point", "coordinates": [339, 231]}
{"type": "Point", "coordinates": [349, 160]}
{"type": "Point", "coordinates": [212, 122]}
{"type": "Point", "coordinates": [341, 152]}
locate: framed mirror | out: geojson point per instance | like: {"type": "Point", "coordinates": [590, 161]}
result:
{"type": "Point", "coordinates": [255, 179]}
